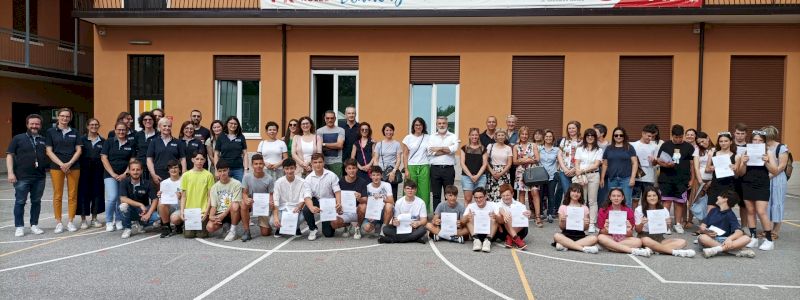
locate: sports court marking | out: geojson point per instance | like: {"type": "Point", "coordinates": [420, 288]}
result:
{"type": "Point", "coordinates": [522, 276]}
{"type": "Point", "coordinates": [12, 223]}
{"type": "Point", "coordinates": [45, 243]}
{"type": "Point", "coordinates": [465, 275]}
{"type": "Point", "coordinates": [52, 238]}
{"type": "Point", "coordinates": [76, 255]}
{"type": "Point", "coordinates": [662, 280]}
{"type": "Point", "coordinates": [581, 262]}
{"type": "Point", "coordinates": [791, 223]}
{"type": "Point", "coordinates": [283, 251]}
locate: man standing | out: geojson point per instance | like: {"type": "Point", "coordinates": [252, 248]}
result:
{"type": "Point", "coordinates": [646, 151]}
{"type": "Point", "coordinates": [511, 129]}
{"type": "Point", "coordinates": [332, 143]}
{"type": "Point", "coordinates": [443, 146]}
{"type": "Point", "coordinates": [350, 127]}
{"type": "Point", "coordinates": [487, 137]}
{"type": "Point", "coordinates": [201, 133]}
{"type": "Point", "coordinates": [139, 201]}
{"type": "Point", "coordinates": [319, 184]}
{"type": "Point", "coordinates": [162, 149]}
{"type": "Point", "coordinates": [676, 173]}
{"type": "Point", "coordinates": [26, 162]}
{"type": "Point", "coordinates": [740, 139]}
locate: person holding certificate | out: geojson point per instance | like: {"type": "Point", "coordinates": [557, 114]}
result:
{"type": "Point", "coordinates": [377, 189]}
{"type": "Point", "coordinates": [652, 221]}
{"type": "Point", "coordinates": [410, 215]}
{"type": "Point", "coordinates": [195, 185]}
{"type": "Point", "coordinates": [322, 183]}
{"type": "Point", "coordinates": [352, 183]}
{"type": "Point", "coordinates": [226, 200]}
{"type": "Point", "coordinates": [480, 219]}
{"type": "Point", "coordinates": [168, 194]}
{"type": "Point", "coordinates": [139, 201]}
{"type": "Point", "coordinates": [288, 197]}
{"type": "Point", "coordinates": [724, 151]}
{"type": "Point", "coordinates": [573, 218]}
{"type": "Point", "coordinates": [677, 174]}
{"type": "Point", "coordinates": [257, 182]}
{"type": "Point", "coordinates": [615, 221]}
{"type": "Point", "coordinates": [446, 223]}
{"type": "Point", "coordinates": [755, 187]}
{"type": "Point", "coordinates": [720, 230]}
{"type": "Point", "coordinates": [510, 212]}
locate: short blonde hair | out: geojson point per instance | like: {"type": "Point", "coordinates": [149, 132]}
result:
{"type": "Point", "coordinates": [505, 135]}
{"type": "Point", "coordinates": [771, 133]}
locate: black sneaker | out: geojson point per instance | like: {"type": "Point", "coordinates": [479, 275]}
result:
{"type": "Point", "coordinates": [383, 240]}
{"type": "Point", "coordinates": [422, 240]}
{"type": "Point", "coordinates": [165, 231]}
{"type": "Point", "coordinates": [246, 236]}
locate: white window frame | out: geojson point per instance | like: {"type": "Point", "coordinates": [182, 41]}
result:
{"type": "Point", "coordinates": [217, 110]}
{"type": "Point", "coordinates": [434, 106]}
{"type": "Point", "coordinates": [336, 74]}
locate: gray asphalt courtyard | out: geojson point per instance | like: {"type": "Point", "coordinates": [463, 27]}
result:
{"type": "Point", "coordinates": [96, 264]}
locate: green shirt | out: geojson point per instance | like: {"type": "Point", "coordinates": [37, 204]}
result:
{"type": "Point", "coordinates": [196, 185]}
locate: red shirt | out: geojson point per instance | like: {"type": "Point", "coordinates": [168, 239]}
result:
{"type": "Point", "coordinates": [602, 215]}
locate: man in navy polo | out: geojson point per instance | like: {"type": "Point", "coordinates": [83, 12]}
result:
{"type": "Point", "coordinates": [162, 149]}
{"type": "Point", "coordinates": [139, 201]}
{"type": "Point", "coordinates": [26, 162]}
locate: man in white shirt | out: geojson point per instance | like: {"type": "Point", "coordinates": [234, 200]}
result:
{"type": "Point", "coordinates": [288, 197]}
{"type": "Point", "coordinates": [321, 183]}
{"type": "Point", "coordinates": [646, 150]}
{"type": "Point", "coordinates": [442, 149]}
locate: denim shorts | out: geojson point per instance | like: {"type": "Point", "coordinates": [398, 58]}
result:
{"type": "Point", "coordinates": [468, 185]}
{"type": "Point", "coordinates": [721, 239]}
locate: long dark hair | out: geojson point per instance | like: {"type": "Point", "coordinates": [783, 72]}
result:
{"type": "Point", "coordinates": [289, 132]}
{"type": "Point", "coordinates": [238, 125]}
{"type": "Point", "coordinates": [700, 149]}
{"type": "Point", "coordinates": [611, 190]}
{"type": "Point", "coordinates": [625, 144]}
{"type": "Point", "coordinates": [421, 121]}
{"type": "Point", "coordinates": [728, 136]}
{"type": "Point", "coordinates": [593, 144]}
{"type": "Point", "coordinates": [211, 128]}
{"type": "Point", "coordinates": [310, 122]}
{"type": "Point", "coordinates": [573, 188]}
{"type": "Point", "coordinates": [643, 202]}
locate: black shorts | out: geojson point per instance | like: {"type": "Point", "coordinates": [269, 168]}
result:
{"type": "Point", "coordinates": [638, 188]}
{"type": "Point", "coordinates": [673, 189]}
{"type": "Point", "coordinates": [572, 235]}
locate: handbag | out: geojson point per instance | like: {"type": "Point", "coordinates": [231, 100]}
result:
{"type": "Point", "coordinates": [580, 179]}
{"type": "Point", "coordinates": [535, 176]}
{"type": "Point", "coordinates": [398, 176]}
{"type": "Point", "coordinates": [640, 173]}
{"type": "Point", "coordinates": [700, 207]}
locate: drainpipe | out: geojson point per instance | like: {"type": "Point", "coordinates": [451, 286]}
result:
{"type": "Point", "coordinates": [75, 49]}
{"type": "Point", "coordinates": [283, 75]}
{"type": "Point", "coordinates": [701, 54]}
{"type": "Point", "coordinates": [27, 33]}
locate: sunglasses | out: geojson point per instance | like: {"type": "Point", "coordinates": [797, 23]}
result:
{"type": "Point", "coordinates": [724, 133]}
{"type": "Point", "coordinates": [759, 132]}
{"type": "Point", "coordinates": [292, 124]}
{"type": "Point", "coordinates": [619, 135]}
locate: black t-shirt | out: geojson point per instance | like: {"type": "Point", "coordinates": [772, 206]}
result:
{"type": "Point", "coordinates": [486, 140]}
{"type": "Point", "coordinates": [202, 134]}
{"type": "Point", "coordinates": [91, 152]}
{"type": "Point", "coordinates": [141, 144]}
{"type": "Point", "coordinates": [360, 185]}
{"type": "Point", "coordinates": [30, 161]}
{"type": "Point", "coordinates": [142, 192]}
{"type": "Point", "coordinates": [681, 173]}
{"type": "Point", "coordinates": [63, 145]}
{"type": "Point", "coordinates": [231, 150]}
{"type": "Point", "coordinates": [350, 137]}
{"type": "Point", "coordinates": [162, 153]}
{"type": "Point", "coordinates": [113, 135]}
{"type": "Point", "coordinates": [193, 145]}
{"type": "Point", "coordinates": [118, 155]}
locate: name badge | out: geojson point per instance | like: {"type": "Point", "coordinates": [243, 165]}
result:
{"type": "Point", "coordinates": [71, 136]}
{"type": "Point", "coordinates": [127, 149]}
{"type": "Point", "coordinates": [173, 145]}
{"type": "Point", "coordinates": [237, 140]}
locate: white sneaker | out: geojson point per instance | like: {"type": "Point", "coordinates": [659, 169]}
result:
{"type": "Point", "coordinates": [20, 232]}
{"type": "Point", "coordinates": [747, 253]}
{"type": "Point", "coordinates": [119, 225]}
{"type": "Point", "coordinates": [476, 245]}
{"type": "Point", "coordinates": [109, 226]}
{"type": "Point", "coordinates": [36, 230]}
{"type": "Point", "coordinates": [71, 227]}
{"type": "Point", "coordinates": [591, 249]}
{"type": "Point", "coordinates": [641, 252]}
{"type": "Point", "coordinates": [312, 235]}
{"type": "Point", "coordinates": [84, 224]}
{"type": "Point", "coordinates": [96, 224]}
{"type": "Point", "coordinates": [753, 242]}
{"type": "Point", "coordinates": [231, 235]}
{"type": "Point", "coordinates": [59, 228]}
{"type": "Point", "coordinates": [487, 246]}
{"type": "Point", "coordinates": [357, 233]}
{"type": "Point", "coordinates": [767, 245]}
{"type": "Point", "coordinates": [560, 247]}
{"type": "Point", "coordinates": [684, 253]}
{"type": "Point", "coordinates": [709, 252]}
{"type": "Point", "coordinates": [678, 228]}
{"type": "Point", "coordinates": [126, 233]}
{"type": "Point", "coordinates": [695, 241]}
{"type": "Point", "coordinates": [669, 231]}
{"type": "Point", "coordinates": [592, 228]}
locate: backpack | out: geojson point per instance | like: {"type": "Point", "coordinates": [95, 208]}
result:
{"type": "Point", "coordinates": [789, 167]}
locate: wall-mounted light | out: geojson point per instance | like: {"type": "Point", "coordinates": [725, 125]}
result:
{"type": "Point", "coordinates": [101, 31]}
{"type": "Point", "coordinates": [140, 42]}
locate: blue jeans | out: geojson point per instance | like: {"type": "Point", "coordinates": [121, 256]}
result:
{"type": "Point", "coordinates": [623, 183]}
{"type": "Point", "coordinates": [468, 185]}
{"type": "Point", "coordinates": [130, 213]}
{"type": "Point", "coordinates": [237, 173]}
{"type": "Point", "coordinates": [553, 197]}
{"type": "Point", "coordinates": [564, 181]}
{"type": "Point", "coordinates": [112, 200]}
{"type": "Point", "coordinates": [23, 187]}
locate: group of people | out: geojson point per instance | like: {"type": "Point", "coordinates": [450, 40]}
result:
{"type": "Point", "coordinates": [150, 177]}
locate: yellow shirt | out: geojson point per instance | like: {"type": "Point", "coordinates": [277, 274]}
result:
{"type": "Point", "coordinates": [196, 185]}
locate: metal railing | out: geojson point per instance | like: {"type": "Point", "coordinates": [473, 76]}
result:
{"type": "Point", "coordinates": [717, 3]}
{"type": "Point", "coordinates": [142, 5]}
{"type": "Point", "coordinates": [44, 53]}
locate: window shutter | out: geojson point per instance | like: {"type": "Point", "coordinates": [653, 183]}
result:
{"type": "Point", "coordinates": [241, 67]}
{"type": "Point", "coordinates": [645, 94]}
{"type": "Point", "coordinates": [537, 92]}
{"type": "Point", "coordinates": [334, 62]}
{"type": "Point", "coordinates": [435, 69]}
{"type": "Point", "coordinates": [756, 91]}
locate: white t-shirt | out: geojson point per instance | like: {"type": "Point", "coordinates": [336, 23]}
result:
{"type": "Point", "coordinates": [638, 215]}
{"type": "Point", "coordinates": [642, 152]}
{"type": "Point", "coordinates": [587, 157]}
{"type": "Point", "coordinates": [489, 208]}
{"type": "Point", "coordinates": [170, 186]}
{"type": "Point", "coordinates": [417, 149]}
{"type": "Point", "coordinates": [507, 207]}
{"type": "Point", "coordinates": [499, 156]}
{"type": "Point", "coordinates": [272, 151]}
{"type": "Point", "coordinates": [703, 163]}
{"type": "Point", "coordinates": [416, 208]}
{"type": "Point", "coordinates": [382, 191]}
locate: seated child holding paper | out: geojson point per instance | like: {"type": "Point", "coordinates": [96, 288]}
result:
{"type": "Point", "coordinates": [621, 240]}
{"type": "Point", "coordinates": [380, 190]}
{"type": "Point", "coordinates": [481, 236]}
{"type": "Point", "coordinates": [452, 206]}
{"type": "Point", "coordinates": [353, 183]}
{"type": "Point", "coordinates": [721, 231]}
{"type": "Point", "coordinates": [571, 239]}
{"type": "Point", "coordinates": [410, 217]}
{"type": "Point", "coordinates": [226, 196]}
{"type": "Point", "coordinates": [170, 192]}
{"type": "Point", "coordinates": [656, 241]}
{"type": "Point", "coordinates": [513, 236]}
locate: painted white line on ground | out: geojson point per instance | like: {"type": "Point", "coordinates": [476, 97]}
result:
{"type": "Point", "coordinates": [9, 199]}
{"type": "Point", "coordinates": [761, 286]}
{"type": "Point", "coordinates": [284, 251]}
{"type": "Point", "coordinates": [580, 262]}
{"type": "Point", "coordinates": [76, 255]}
{"type": "Point", "coordinates": [52, 238]}
{"type": "Point", "coordinates": [12, 223]}
{"type": "Point", "coordinates": [465, 275]}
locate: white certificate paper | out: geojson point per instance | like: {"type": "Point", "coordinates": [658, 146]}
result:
{"type": "Point", "coordinates": [755, 152]}
{"type": "Point", "coordinates": [289, 222]}
{"type": "Point", "coordinates": [722, 166]}
{"type": "Point", "coordinates": [327, 209]}
{"type": "Point", "coordinates": [405, 224]}
{"type": "Point", "coordinates": [665, 157]}
{"type": "Point", "coordinates": [717, 230]}
{"type": "Point", "coordinates": [349, 201]}
{"type": "Point", "coordinates": [168, 197]}
{"type": "Point", "coordinates": [517, 218]}
{"type": "Point", "coordinates": [261, 204]}
{"type": "Point", "coordinates": [194, 219]}
{"type": "Point", "coordinates": [575, 218]}
{"type": "Point", "coordinates": [616, 222]}
{"type": "Point", "coordinates": [741, 150]}
{"type": "Point", "coordinates": [482, 223]}
{"type": "Point", "coordinates": [657, 221]}
{"type": "Point", "coordinates": [374, 208]}
{"type": "Point", "coordinates": [449, 224]}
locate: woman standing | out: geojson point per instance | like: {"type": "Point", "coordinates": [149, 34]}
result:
{"type": "Point", "coordinates": [190, 143]}
{"type": "Point", "coordinates": [755, 187]}
{"type": "Point", "coordinates": [117, 153]}
{"type": "Point", "coordinates": [415, 150]}
{"type": "Point", "coordinates": [548, 154]}
{"type": "Point", "coordinates": [63, 147]}
{"type": "Point", "coordinates": [538, 137]}
{"type": "Point", "coordinates": [587, 162]}
{"type": "Point", "coordinates": [305, 144]}
{"type": "Point", "coordinates": [474, 162]}
{"type": "Point", "coordinates": [232, 148]}
{"type": "Point", "coordinates": [620, 164]}
{"type": "Point", "coordinates": [273, 150]}
{"type": "Point", "coordinates": [362, 150]}
{"type": "Point", "coordinates": [566, 157]}
{"type": "Point", "coordinates": [526, 156]}
{"type": "Point", "coordinates": [779, 159]}
{"type": "Point", "coordinates": [90, 186]}
{"type": "Point", "coordinates": [141, 142]}
{"type": "Point", "coordinates": [211, 143]}
{"type": "Point", "coordinates": [725, 147]}
{"type": "Point", "coordinates": [702, 156]}
{"type": "Point", "coordinates": [388, 156]}
{"type": "Point", "coordinates": [500, 160]}
{"type": "Point", "coordinates": [292, 129]}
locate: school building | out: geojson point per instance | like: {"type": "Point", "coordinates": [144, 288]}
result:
{"type": "Point", "coordinates": [705, 65]}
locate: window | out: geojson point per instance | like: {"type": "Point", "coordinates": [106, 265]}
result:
{"type": "Point", "coordinates": [430, 101]}
{"type": "Point", "coordinates": [334, 85]}
{"type": "Point", "coordinates": [240, 98]}
{"type": "Point", "coordinates": [19, 17]}
{"type": "Point", "coordinates": [146, 83]}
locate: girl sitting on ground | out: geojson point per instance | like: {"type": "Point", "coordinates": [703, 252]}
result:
{"type": "Point", "coordinates": [574, 239]}
{"type": "Point", "coordinates": [656, 241]}
{"type": "Point", "coordinates": [622, 243]}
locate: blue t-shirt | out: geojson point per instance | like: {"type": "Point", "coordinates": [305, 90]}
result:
{"type": "Point", "coordinates": [619, 161]}
{"type": "Point", "coordinates": [725, 220]}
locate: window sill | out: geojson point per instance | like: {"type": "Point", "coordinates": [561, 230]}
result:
{"type": "Point", "coordinates": [22, 40]}
{"type": "Point", "coordinates": [252, 136]}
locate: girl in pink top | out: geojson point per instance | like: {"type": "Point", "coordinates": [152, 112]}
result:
{"type": "Point", "coordinates": [622, 243]}
{"type": "Point", "coordinates": [574, 239]}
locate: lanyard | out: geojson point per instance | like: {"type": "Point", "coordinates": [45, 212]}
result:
{"type": "Point", "coordinates": [32, 139]}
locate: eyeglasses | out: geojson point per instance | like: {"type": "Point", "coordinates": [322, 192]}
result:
{"type": "Point", "coordinates": [364, 130]}
{"type": "Point", "coordinates": [728, 133]}
{"type": "Point", "coordinates": [759, 132]}
{"type": "Point", "coordinates": [619, 135]}
{"type": "Point", "coordinates": [94, 124]}
{"type": "Point", "coordinates": [292, 124]}
{"type": "Point", "coordinates": [147, 120]}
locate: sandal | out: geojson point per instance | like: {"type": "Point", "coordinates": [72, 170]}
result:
{"type": "Point", "coordinates": [539, 223]}
{"type": "Point", "coordinates": [760, 235]}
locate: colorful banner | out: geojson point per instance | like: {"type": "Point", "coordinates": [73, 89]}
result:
{"type": "Point", "coordinates": [469, 4]}
{"type": "Point", "coordinates": [140, 106]}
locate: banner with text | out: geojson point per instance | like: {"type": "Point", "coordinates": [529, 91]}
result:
{"type": "Point", "coordinates": [469, 4]}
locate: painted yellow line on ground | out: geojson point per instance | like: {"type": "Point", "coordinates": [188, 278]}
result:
{"type": "Point", "coordinates": [791, 223]}
{"type": "Point", "coordinates": [45, 243]}
{"type": "Point", "coordinates": [522, 276]}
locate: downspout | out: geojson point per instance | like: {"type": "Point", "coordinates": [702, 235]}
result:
{"type": "Point", "coordinates": [283, 75]}
{"type": "Point", "coordinates": [701, 54]}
